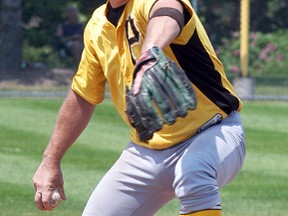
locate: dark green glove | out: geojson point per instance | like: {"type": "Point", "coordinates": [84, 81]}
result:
{"type": "Point", "coordinates": [166, 93]}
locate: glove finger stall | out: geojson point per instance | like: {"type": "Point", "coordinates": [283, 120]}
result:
{"type": "Point", "coordinates": [161, 99]}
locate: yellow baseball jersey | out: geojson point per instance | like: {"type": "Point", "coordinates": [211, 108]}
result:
{"type": "Point", "coordinates": [110, 54]}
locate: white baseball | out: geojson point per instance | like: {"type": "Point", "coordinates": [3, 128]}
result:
{"type": "Point", "coordinates": [55, 197]}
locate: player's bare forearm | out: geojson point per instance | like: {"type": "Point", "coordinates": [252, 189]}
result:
{"type": "Point", "coordinates": [162, 30]}
{"type": "Point", "coordinates": [73, 117]}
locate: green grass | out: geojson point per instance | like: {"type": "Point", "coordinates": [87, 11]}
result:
{"type": "Point", "coordinates": [25, 125]}
{"type": "Point", "coordinates": [261, 188]}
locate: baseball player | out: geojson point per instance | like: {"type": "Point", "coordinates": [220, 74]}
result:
{"type": "Point", "coordinates": [168, 85]}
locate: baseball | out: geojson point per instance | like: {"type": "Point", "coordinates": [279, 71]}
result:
{"type": "Point", "coordinates": [55, 197]}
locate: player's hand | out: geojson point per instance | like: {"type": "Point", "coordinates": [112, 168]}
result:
{"type": "Point", "coordinates": [46, 179]}
{"type": "Point", "coordinates": [139, 76]}
{"type": "Point", "coordinates": [160, 93]}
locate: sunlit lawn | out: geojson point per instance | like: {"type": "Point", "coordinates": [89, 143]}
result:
{"type": "Point", "coordinates": [25, 126]}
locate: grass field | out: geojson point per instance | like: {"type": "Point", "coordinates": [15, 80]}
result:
{"type": "Point", "coordinates": [25, 126]}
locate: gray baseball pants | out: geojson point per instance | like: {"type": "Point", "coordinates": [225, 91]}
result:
{"type": "Point", "coordinates": [143, 180]}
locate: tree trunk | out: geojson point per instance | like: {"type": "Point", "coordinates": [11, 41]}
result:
{"type": "Point", "coordinates": [10, 38]}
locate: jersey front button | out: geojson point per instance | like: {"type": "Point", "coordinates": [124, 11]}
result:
{"type": "Point", "coordinates": [121, 51]}
{"type": "Point", "coordinates": [129, 79]}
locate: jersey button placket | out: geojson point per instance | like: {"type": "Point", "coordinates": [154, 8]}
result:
{"type": "Point", "coordinates": [129, 79]}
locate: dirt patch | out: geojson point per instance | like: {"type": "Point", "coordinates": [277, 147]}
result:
{"type": "Point", "coordinates": [37, 79]}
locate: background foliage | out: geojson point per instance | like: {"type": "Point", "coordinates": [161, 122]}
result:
{"type": "Point", "coordinates": [268, 54]}
{"type": "Point", "coordinates": [220, 18]}
{"type": "Point", "coordinates": [223, 17]}
{"type": "Point", "coordinates": [41, 18]}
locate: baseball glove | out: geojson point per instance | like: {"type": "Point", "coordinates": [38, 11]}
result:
{"type": "Point", "coordinates": [165, 94]}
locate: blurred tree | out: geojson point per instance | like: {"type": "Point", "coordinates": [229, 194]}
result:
{"type": "Point", "coordinates": [221, 18]}
{"type": "Point", "coordinates": [277, 11]}
{"type": "Point", "coordinates": [40, 18]}
{"type": "Point", "coordinates": [10, 37]}
{"type": "Point", "coordinates": [87, 7]}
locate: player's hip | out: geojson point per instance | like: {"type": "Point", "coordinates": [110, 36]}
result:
{"type": "Point", "coordinates": [228, 129]}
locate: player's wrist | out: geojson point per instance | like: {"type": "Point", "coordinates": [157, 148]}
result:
{"type": "Point", "coordinates": [145, 58]}
{"type": "Point", "coordinates": [50, 160]}
{"type": "Point", "coordinates": [145, 49]}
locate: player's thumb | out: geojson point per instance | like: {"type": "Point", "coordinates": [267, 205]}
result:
{"type": "Point", "coordinates": [136, 88]}
{"type": "Point", "coordinates": [137, 82]}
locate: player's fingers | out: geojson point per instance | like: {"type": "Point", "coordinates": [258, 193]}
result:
{"type": "Point", "coordinates": [139, 76]}
{"type": "Point", "coordinates": [38, 201]}
{"type": "Point", "coordinates": [137, 82]}
{"type": "Point", "coordinates": [161, 99]}
{"type": "Point", "coordinates": [46, 201]}
{"type": "Point", "coordinates": [183, 86]}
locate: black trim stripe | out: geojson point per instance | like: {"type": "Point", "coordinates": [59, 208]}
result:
{"type": "Point", "coordinates": [199, 68]}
